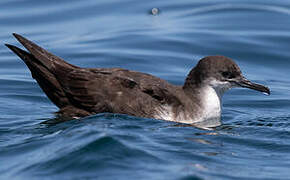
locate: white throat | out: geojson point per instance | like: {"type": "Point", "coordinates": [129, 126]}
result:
{"type": "Point", "coordinates": [211, 98]}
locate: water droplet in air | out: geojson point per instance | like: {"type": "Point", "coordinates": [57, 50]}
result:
{"type": "Point", "coordinates": [154, 11]}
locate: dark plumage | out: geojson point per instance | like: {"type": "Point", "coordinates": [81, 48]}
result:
{"type": "Point", "coordinates": [84, 91]}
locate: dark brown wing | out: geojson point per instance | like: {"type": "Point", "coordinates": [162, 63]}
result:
{"type": "Point", "coordinates": [116, 91]}
{"type": "Point", "coordinates": [81, 91]}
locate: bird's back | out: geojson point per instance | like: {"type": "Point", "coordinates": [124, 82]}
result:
{"type": "Point", "coordinates": [84, 91]}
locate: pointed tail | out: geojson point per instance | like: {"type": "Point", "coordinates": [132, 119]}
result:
{"type": "Point", "coordinates": [44, 67]}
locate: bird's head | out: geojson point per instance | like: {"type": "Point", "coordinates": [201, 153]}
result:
{"type": "Point", "coordinates": [221, 73]}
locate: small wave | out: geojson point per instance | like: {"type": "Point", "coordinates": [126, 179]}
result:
{"type": "Point", "coordinates": [221, 7]}
{"type": "Point", "coordinates": [96, 155]}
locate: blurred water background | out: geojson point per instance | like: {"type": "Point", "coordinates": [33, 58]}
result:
{"type": "Point", "coordinates": [253, 142]}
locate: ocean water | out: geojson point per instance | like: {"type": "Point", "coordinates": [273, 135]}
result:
{"type": "Point", "coordinates": [252, 143]}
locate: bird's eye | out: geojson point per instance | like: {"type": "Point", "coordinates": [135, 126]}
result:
{"type": "Point", "coordinates": [226, 74]}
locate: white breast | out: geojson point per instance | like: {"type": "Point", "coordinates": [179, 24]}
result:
{"type": "Point", "coordinates": [208, 114]}
{"type": "Point", "coordinates": [211, 101]}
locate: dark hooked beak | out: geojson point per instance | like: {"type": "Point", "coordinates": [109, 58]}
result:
{"type": "Point", "coordinates": [243, 82]}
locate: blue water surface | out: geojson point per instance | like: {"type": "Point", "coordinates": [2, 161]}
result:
{"type": "Point", "coordinates": [252, 143]}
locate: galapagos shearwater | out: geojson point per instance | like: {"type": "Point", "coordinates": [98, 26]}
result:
{"type": "Point", "coordinates": [80, 92]}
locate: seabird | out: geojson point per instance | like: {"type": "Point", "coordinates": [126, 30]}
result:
{"type": "Point", "coordinates": [80, 92]}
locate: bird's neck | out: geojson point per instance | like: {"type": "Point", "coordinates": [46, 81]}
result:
{"type": "Point", "coordinates": [210, 105]}
{"type": "Point", "coordinates": [211, 102]}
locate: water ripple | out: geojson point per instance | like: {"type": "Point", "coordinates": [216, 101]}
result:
{"type": "Point", "coordinates": [253, 143]}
